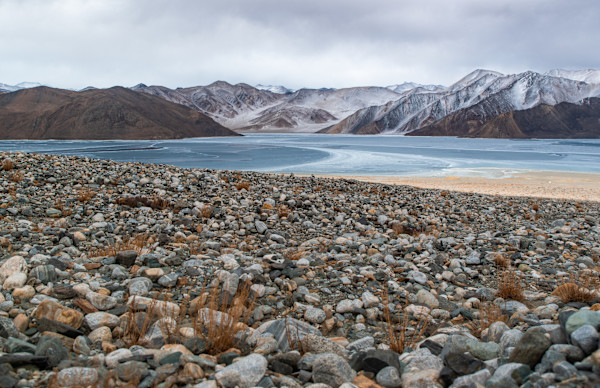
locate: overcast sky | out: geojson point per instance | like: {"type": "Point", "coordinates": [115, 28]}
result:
{"type": "Point", "coordinates": [305, 43]}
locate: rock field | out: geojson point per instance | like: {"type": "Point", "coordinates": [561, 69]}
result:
{"type": "Point", "coordinates": [127, 274]}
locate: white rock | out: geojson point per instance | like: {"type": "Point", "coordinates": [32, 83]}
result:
{"type": "Point", "coordinates": [112, 359]}
{"type": "Point", "coordinates": [16, 280]}
{"type": "Point", "coordinates": [369, 300]}
{"type": "Point", "coordinates": [11, 266]}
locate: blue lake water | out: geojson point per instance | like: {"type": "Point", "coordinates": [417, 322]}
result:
{"type": "Point", "coordinates": [341, 154]}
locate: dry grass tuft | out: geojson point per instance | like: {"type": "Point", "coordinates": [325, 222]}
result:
{"type": "Point", "coordinates": [501, 261]}
{"type": "Point", "coordinates": [155, 202]}
{"type": "Point", "coordinates": [283, 211]}
{"type": "Point", "coordinates": [8, 164]}
{"type": "Point", "coordinates": [84, 195]}
{"type": "Point", "coordinates": [139, 243]}
{"type": "Point", "coordinates": [402, 333]}
{"type": "Point", "coordinates": [292, 335]}
{"type": "Point", "coordinates": [579, 288]}
{"type": "Point", "coordinates": [219, 320]}
{"type": "Point", "coordinates": [399, 229]}
{"type": "Point", "coordinates": [510, 284]}
{"type": "Point", "coordinates": [206, 211]}
{"type": "Point", "coordinates": [488, 314]}
{"type": "Point", "coordinates": [16, 176]}
{"type": "Point", "coordinates": [293, 254]}
{"type": "Point", "coordinates": [242, 185]}
{"type": "Point", "coordinates": [136, 324]}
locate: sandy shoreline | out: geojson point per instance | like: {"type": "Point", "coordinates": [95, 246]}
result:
{"type": "Point", "coordinates": [542, 184]}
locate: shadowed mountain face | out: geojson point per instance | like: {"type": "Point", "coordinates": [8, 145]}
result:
{"type": "Point", "coordinates": [100, 114]}
{"type": "Point", "coordinates": [565, 120]}
{"type": "Point", "coordinates": [489, 93]}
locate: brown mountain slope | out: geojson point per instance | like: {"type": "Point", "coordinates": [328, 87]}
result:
{"type": "Point", "coordinates": [101, 114]}
{"type": "Point", "coordinates": [565, 120]}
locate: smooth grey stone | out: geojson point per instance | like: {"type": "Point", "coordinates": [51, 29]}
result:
{"type": "Point", "coordinates": [463, 363]}
{"type": "Point", "coordinates": [496, 330]}
{"type": "Point", "coordinates": [332, 370]}
{"type": "Point", "coordinates": [483, 350]}
{"type": "Point", "coordinates": [132, 370]}
{"type": "Point", "coordinates": [284, 330]}
{"type": "Point", "coordinates": [8, 328]}
{"type": "Point", "coordinates": [53, 349]}
{"type": "Point", "coordinates": [389, 377]}
{"type": "Point", "coordinates": [548, 360]}
{"type": "Point", "coordinates": [472, 380]}
{"type": "Point", "coordinates": [509, 339]}
{"type": "Point", "coordinates": [530, 348]}
{"type": "Point", "coordinates": [571, 352]}
{"type": "Point", "coordinates": [586, 337]}
{"type": "Point", "coordinates": [245, 373]}
{"type": "Point", "coordinates": [126, 258]}
{"type": "Point", "coordinates": [564, 370]}
{"type": "Point", "coordinates": [581, 318]}
{"type": "Point", "coordinates": [15, 345]}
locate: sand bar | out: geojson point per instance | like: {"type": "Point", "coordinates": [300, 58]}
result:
{"type": "Point", "coordinates": [544, 184]}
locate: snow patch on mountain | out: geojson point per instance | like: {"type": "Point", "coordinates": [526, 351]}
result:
{"type": "Point", "coordinates": [589, 76]}
{"type": "Point", "coordinates": [278, 89]}
{"type": "Point", "coordinates": [408, 86]}
{"type": "Point", "coordinates": [23, 85]}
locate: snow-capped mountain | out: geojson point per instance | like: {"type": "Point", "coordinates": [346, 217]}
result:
{"type": "Point", "coordinates": [491, 92]}
{"type": "Point", "coordinates": [407, 86]}
{"type": "Point", "coordinates": [4, 88]}
{"type": "Point", "coordinates": [277, 89]}
{"type": "Point", "coordinates": [244, 107]}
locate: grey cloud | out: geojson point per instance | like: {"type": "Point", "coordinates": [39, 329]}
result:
{"type": "Point", "coordinates": [311, 43]}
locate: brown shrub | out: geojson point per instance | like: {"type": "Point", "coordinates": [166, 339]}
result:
{"type": "Point", "coordinates": [402, 333]}
{"type": "Point", "coordinates": [155, 202]}
{"type": "Point", "coordinates": [579, 288]}
{"type": "Point", "coordinates": [399, 229]}
{"type": "Point", "coordinates": [501, 261]}
{"type": "Point", "coordinates": [283, 211]}
{"type": "Point", "coordinates": [510, 284]}
{"type": "Point", "coordinates": [160, 203]}
{"type": "Point", "coordinates": [242, 185]}
{"type": "Point", "coordinates": [206, 211]}
{"type": "Point", "coordinates": [84, 195]}
{"type": "Point", "coordinates": [139, 243]}
{"type": "Point", "coordinates": [16, 176]}
{"type": "Point", "coordinates": [488, 314]}
{"type": "Point", "coordinates": [219, 320]}
{"type": "Point", "coordinates": [8, 164]}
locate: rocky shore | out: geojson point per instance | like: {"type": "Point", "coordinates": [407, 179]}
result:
{"type": "Point", "coordinates": [125, 274]}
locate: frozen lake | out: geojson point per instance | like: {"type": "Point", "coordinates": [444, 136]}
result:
{"type": "Point", "coordinates": [341, 154]}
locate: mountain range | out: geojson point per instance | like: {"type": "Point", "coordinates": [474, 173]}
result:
{"type": "Point", "coordinates": [483, 98]}
{"type": "Point", "coordinates": [99, 114]}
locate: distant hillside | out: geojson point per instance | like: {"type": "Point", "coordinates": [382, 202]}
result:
{"type": "Point", "coordinates": [564, 120]}
{"type": "Point", "coordinates": [243, 107]}
{"type": "Point", "coordinates": [99, 114]}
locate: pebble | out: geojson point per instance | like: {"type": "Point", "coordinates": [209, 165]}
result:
{"type": "Point", "coordinates": [245, 373]}
{"type": "Point", "coordinates": [317, 277]}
